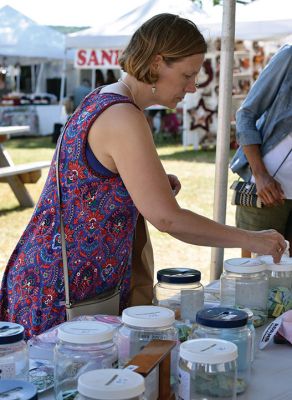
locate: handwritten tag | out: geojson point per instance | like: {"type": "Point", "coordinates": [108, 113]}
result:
{"type": "Point", "coordinates": [270, 332]}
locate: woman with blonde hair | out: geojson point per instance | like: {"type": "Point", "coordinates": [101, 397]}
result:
{"type": "Point", "coordinates": [109, 173]}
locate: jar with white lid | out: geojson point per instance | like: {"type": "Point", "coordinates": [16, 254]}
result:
{"type": "Point", "coordinates": [14, 360]}
{"type": "Point", "coordinates": [244, 283]}
{"type": "Point", "coordinates": [207, 370]}
{"type": "Point", "coordinates": [228, 324]}
{"type": "Point", "coordinates": [82, 346]}
{"type": "Point", "coordinates": [280, 285]}
{"type": "Point", "coordinates": [180, 290]}
{"type": "Point", "coordinates": [11, 389]}
{"type": "Point", "coordinates": [141, 325]}
{"type": "Point", "coordinates": [110, 384]}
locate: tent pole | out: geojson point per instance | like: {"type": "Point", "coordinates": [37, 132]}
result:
{"type": "Point", "coordinates": [38, 80]}
{"type": "Point", "coordinates": [93, 74]}
{"type": "Point", "coordinates": [184, 125]}
{"type": "Point", "coordinates": [63, 79]}
{"type": "Point", "coordinates": [32, 73]}
{"type": "Point", "coordinates": [223, 131]}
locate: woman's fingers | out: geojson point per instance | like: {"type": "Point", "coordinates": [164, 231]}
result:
{"type": "Point", "coordinates": [270, 242]}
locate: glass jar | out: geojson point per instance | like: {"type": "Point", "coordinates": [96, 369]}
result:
{"type": "Point", "coordinates": [207, 370]}
{"type": "Point", "coordinates": [244, 283]}
{"type": "Point", "coordinates": [82, 346]}
{"type": "Point", "coordinates": [180, 290]}
{"type": "Point", "coordinates": [251, 327]}
{"type": "Point", "coordinates": [280, 285]}
{"type": "Point", "coordinates": [11, 389]}
{"type": "Point", "coordinates": [141, 324]}
{"type": "Point", "coordinates": [228, 324]}
{"type": "Point", "coordinates": [110, 384]}
{"type": "Point", "coordinates": [14, 360]}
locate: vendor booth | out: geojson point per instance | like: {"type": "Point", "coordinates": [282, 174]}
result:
{"type": "Point", "coordinates": [31, 58]}
{"type": "Point", "coordinates": [99, 48]}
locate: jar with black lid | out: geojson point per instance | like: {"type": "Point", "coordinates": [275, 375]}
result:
{"type": "Point", "coordinates": [180, 290]}
{"type": "Point", "coordinates": [228, 324]}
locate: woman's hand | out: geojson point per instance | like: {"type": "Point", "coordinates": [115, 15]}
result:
{"type": "Point", "coordinates": [174, 183]}
{"type": "Point", "coordinates": [268, 242]}
{"type": "Point", "coordinates": [269, 190]}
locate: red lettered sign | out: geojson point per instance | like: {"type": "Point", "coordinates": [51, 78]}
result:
{"type": "Point", "coordinates": [97, 58]}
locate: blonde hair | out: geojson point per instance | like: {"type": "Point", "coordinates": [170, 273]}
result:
{"type": "Point", "coordinates": [170, 36]}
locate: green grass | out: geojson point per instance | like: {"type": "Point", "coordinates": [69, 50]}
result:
{"type": "Point", "coordinates": [196, 170]}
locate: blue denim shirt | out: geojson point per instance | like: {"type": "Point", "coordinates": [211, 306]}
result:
{"type": "Point", "coordinates": [265, 116]}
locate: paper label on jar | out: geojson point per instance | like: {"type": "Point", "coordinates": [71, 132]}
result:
{"type": "Point", "coordinates": [7, 368]}
{"type": "Point", "coordinates": [184, 385]}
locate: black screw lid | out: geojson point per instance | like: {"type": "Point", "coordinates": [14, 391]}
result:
{"type": "Point", "coordinates": [178, 275]}
{"type": "Point", "coordinates": [222, 317]}
{"type": "Point", "coordinates": [10, 332]}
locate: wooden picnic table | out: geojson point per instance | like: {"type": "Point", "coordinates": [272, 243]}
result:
{"type": "Point", "coordinates": [17, 175]}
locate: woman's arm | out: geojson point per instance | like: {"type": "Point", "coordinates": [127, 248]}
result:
{"type": "Point", "coordinates": [122, 136]}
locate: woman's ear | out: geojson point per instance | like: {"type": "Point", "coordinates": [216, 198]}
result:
{"type": "Point", "coordinates": [156, 63]}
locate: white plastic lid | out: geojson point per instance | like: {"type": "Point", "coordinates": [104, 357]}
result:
{"type": "Point", "coordinates": [244, 265]}
{"type": "Point", "coordinates": [208, 351]}
{"type": "Point", "coordinates": [148, 316]}
{"type": "Point", "coordinates": [284, 265]}
{"type": "Point", "coordinates": [85, 332]}
{"type": "Point", "coordinates": [109, 384]}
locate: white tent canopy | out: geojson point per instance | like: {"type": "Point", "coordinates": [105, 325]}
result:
{"type": "Point", "coordinates": [117, 33]}
{"type": "Point", "coordinates": [22, 40]}
{"type": "Point", "coordinates": [258, 20]}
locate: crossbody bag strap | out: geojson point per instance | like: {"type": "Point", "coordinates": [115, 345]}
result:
{"type": "Point", "coordinates": [285, 158]}
{"type": "Point", "coordinates": [62, 231]}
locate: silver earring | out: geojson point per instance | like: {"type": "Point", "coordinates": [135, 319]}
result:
{"type": "Point", "coordinates": [153, 88]}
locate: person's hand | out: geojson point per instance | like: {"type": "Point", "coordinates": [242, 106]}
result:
{"type": "Point", "coordinates": [174, 183]}
{"type": "Point", "coordinates": [269, 190]}
{"type": "Point", "coordinates": [268, 242]}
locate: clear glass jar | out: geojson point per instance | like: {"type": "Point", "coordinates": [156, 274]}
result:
{"type": "Point", "coordinates": [14, 360]}
{"type": "Point", "coordinates": [251, 327]}
{"type": "Point", "coordinates": [280, 285]}
{"type": "Point", "coordinates": [180, 290]}
{"type": "Point", "coordinates": [11, 389]}
{"type": "Point", "coordinates": [228, 324]}
{"type": "Point", "coordinates": [244, 283]}
{"type": "Point", "coordinates": [207, 370]}
{"type": "Point", "coordinates": [141, 324]}
{"type": "Point", "coordinates": [111, 384]}
{"type": "Point", "coordinates": [82, 346]}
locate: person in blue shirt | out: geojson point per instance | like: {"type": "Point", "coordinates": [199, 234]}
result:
{"type": "Point", "coordinates": [264, 133]}
{"type": "Point", "coordinates": [80, 92]}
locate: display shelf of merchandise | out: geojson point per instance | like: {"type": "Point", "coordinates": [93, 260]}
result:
{"type": "Point", "coordinates": [40, 118]}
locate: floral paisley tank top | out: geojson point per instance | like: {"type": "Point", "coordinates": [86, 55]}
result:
{"type": "Point", "coordinates": [99, 219]}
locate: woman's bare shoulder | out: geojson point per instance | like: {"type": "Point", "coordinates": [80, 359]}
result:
{"type": "Point", "coordinates": [122, 117]}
